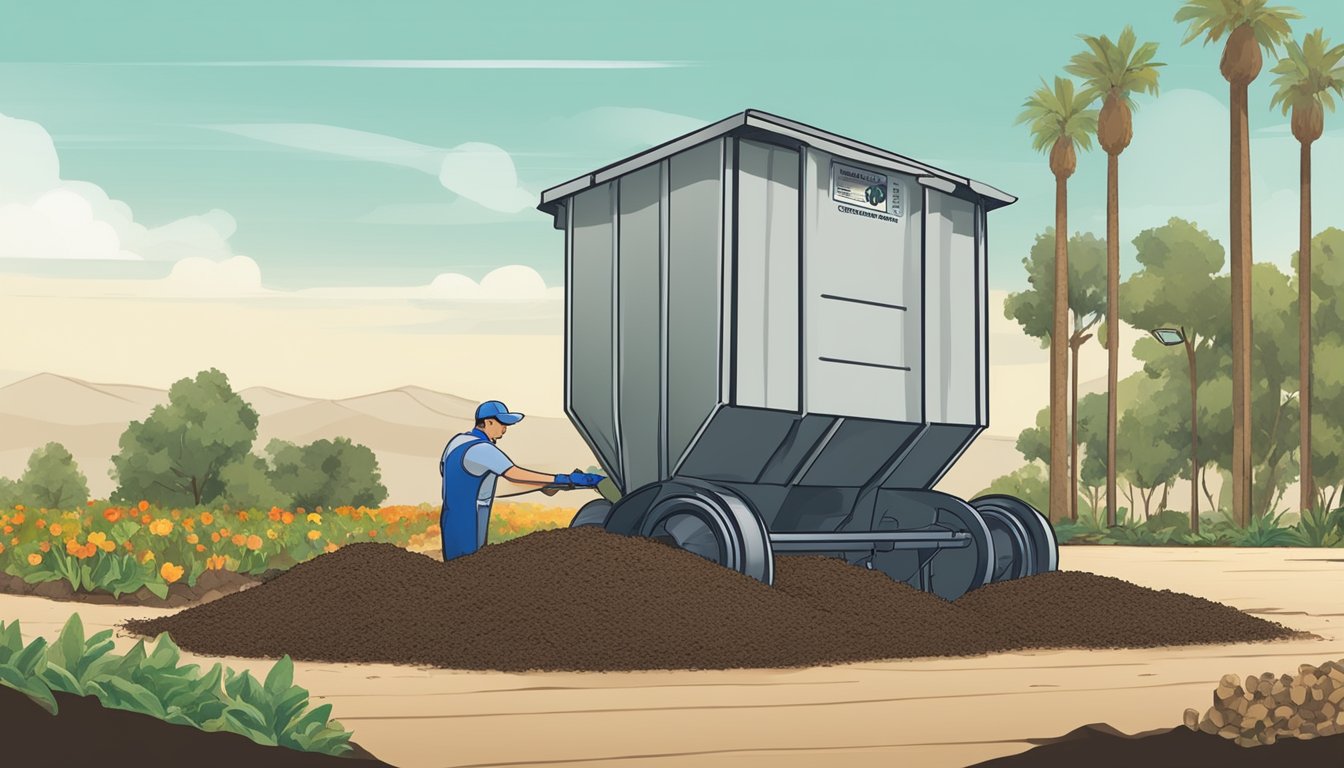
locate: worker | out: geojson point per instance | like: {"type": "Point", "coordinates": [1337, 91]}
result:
{"type": "Point", "coordinates": [470, 465]}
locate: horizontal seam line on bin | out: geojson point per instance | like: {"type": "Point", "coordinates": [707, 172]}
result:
{"type": "Point", "coordinates": [864, 301]}
{"type": "Point", "coordinates": [861, 362]}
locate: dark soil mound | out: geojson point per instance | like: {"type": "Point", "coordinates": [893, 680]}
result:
{"type": "Point", "coordinates": [585, 599]}
{"type": "Point", "coordinates": [1074, 608]}
{"type": "Point", "coordinates": [211, 585]}
{"type": "Point", "coordinates": [1100, 746]}
{"type": "Point", "coordinates": [44, 741]}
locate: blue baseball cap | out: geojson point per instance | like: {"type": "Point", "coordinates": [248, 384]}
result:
{"type": "Point", "coordinates": [493, 409]}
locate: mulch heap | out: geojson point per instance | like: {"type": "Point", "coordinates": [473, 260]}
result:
{"type": "Point", "coordinates": [41, 740]}
{"type": "Point", "coordinates": [582, 599]}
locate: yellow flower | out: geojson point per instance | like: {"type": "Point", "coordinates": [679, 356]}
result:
{"type": "Point", "coordinates": [193, 538]}
{"type": "Point", "coordinates": [34, 559]}
{"type": "Point", "coordinates": [161, 527]}
{"type": "Point", "coordinates": [314, 535]}
{"type": "Point", "coordinates": [170, 572]}
{"type": "Point", "coordinates": [97, 538]}
{"type": "Point", "coordinates": [146, 556]}
{"type": "Point", "coordinates": [331, 547]}
{"type": "Point", "coordinates": [271, 534]}
{"type": "Point", "coordinates": [314, 518]}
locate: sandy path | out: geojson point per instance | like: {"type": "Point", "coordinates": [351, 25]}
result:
{"type": "Point", "coordinates": [905, 712]}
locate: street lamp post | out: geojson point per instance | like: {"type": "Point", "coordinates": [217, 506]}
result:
{"type": "Point", "coordinates": [1170, 337]}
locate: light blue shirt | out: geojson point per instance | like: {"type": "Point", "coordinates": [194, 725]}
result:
{"type": "Point", "coordinates": [481, 460]}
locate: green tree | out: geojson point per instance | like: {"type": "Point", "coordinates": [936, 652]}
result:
{"type": "Point", "coordinates": [1178, 286]}
{"type": "Point", "coordinates": [1327, 413]}
{"type": "Point", "coordinates": [9, 494]}
{"type": "Point", "coordinates": [176, 455]}
{"type": "Point", "coordinates": [1033, 309]}
{"type": "Point", "coordinates": [1026, 483]}
{"type": "Point", "coordinates": [1150, 454]}
{"type": "Point", "coordinates": [53, 479]}
{"type": "Point", "coordinates": [1249, 25]}
{"type": "Point", "coordinates": [1305, 78]}
{"type": "Point", "coordinates": [248, 485]}
{"type": "Point", "coordinates": [1113, 71]}
{"type": "Point", "coordinates": [1059, 120]}
{"type": "Point", "coordinates": [326, 472]}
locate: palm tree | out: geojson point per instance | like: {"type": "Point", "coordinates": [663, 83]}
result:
{"type": "Point", "coordinates": [1114, 71]}
{"type": "Point", "coordinates": [1250, 25]}
{"type": "Point", "coordinates": [1059, 120]}
{"type": "Point", "coordinates": [1305, 79]}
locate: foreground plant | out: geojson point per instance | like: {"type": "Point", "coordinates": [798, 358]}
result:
{"type": "Point", "coordinates": [273, 713]}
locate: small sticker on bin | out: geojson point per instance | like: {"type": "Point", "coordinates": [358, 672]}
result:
{"type": "Point", "coordinates": [866, 190]}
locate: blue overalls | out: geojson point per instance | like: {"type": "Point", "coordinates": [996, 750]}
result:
{"type": "Point", "coordinates": [459, 520]}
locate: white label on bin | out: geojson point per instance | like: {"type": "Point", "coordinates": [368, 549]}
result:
{"type": "Point", "coordinates": [866, 190]}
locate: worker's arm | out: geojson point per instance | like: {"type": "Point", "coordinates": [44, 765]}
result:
{"type": "Point", "coordinates": [519, 475]}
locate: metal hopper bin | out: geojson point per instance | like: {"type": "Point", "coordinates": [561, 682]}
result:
{"type": "Point", "coordinates": [775, 342]}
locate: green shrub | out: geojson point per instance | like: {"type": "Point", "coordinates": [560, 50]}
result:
{"type": "Point", "coordinates": [274, 713]}
{"type": "Point", "coordinates": [1319, 528]}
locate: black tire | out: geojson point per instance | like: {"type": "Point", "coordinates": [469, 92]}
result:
{"type": "Point", "coordinates": [595, 512]}
{"type": "Point", "coordinates": [1014, 556]}
{"type": "Point", "coordinates": [1041, 534]}
{"type": "Point", "coordinates": [714, 524]}
{"type": "Point", "coordinates": [954, 571]}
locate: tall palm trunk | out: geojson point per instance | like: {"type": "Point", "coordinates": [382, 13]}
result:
{"type": "Point", "coordinates": [1075, 343]}
{"type": "Point", "coordinates": [1112, 324]}
{"type": "Point", "coordinates": [1307, 126]}
{"type": "Point", "coordinates": [1062, 164]}
{"type": "Point", "coordinates": [1194, 433]}
{"type": "Point", "coordinates": [1240, 65]}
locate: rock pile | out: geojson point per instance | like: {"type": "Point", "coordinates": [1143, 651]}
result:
{"type": "Point", "coordinates": [1268, 708]}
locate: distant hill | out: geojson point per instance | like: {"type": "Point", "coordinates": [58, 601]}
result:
{"type": "Point", "coordinates": [406, 428]}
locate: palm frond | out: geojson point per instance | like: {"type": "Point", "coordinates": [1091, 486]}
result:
{"type": "Point", "coordinates": [1308, 73]}
{"type": "Point", "coordinates": [1108, 66]}
{"type": "Point", "coordinates": [1058, 112]}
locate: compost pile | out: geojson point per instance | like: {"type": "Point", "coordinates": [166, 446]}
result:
{"type": "Point", "coordinates": [583, 599]}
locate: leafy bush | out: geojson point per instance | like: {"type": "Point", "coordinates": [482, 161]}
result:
{"type": "Point", "coordinates": [274, 713]}
{"type": "Point", "coordinates": [53, 479]}
{"type": "Point", "coordinates": [329, 473]}
{"type": "Point", "coordinates": [1319, 528]}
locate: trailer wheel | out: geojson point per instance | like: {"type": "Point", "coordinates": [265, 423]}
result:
{"type": "Point", "coordinates": [595, 512]}
{"type": "Point", "coordinates": [1014, 556]}
{"type": "Point", "coordinates": [1041, 535]}
{"type": "Point", "coordinates": [715, 525]}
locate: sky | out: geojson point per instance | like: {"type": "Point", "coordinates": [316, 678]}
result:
{"type": "Point", "coordinates": [178, 181]}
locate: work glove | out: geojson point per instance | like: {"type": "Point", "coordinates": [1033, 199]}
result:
{"type": "Point", "coordinates": [579, 479]}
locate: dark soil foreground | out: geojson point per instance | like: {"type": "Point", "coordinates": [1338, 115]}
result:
{"type": "Point", "coordinates": [211, 585]}
{"type": "Point", "coordinates": [1100, 746]}
{"type": "Point", "coordinates": [582, 599]}
{"type": "Point", "coordinates": [83, 731]}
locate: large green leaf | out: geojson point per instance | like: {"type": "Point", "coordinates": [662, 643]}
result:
{"type": "Point", "coordinates": [58, 678]}
{"type": "Point", "coordinates": [158, 589]}
{"type": "Point", "coordinates": [281, 676]}
{"type": "Point", "coordinates": [69, 646]}
{"type": "Point", "coordinates": [31, 659]}
{"type": "Point", "coordinates": [124, 694]}
{"type": "Point", "coordinates": [30, 685]}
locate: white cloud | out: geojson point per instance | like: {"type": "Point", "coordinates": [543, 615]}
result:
{"type": "Point", "coordinates": [482, 173]}
{"type": "Point", "coordinates": [512, 284]}
{"type": "Point", "coordinates": [43, 216]}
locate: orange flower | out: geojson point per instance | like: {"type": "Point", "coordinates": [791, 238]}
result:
{"type": "Point", "coordinates": [161, 527]}
{"type": "Point", "coordinates": [129, 546]}
{"type": "Point", "coordinates": [177, 514]}
{"type": "Point", "coordinates": [73, 547]}
{"type": "Point", "coordinates": [170, 572]}
{"type": "Point", "coordinates": [14, 542]}
{"type": "Point", "coordinates": [200, 547]}
{"type": "Point", "coordinates": [372, 534]}
{"type": "Point", "coordinates": [239, 539]}
{"type": "Point", "coordinates": [55, 529]}
{"type": "Point", "coordinates": [215, 563]}
{"type": "Point", "coordinates": [9, 529]}
{"type": "Point", "coordinates": [254, 542]}
{"type": "Point", "coordinates": [286, 517]}
{"type": "Point", "coordinates": [145, 519]}
{"type": "Point", "coordinates": [89, 503]}
{"type": "Point", "coordinates": [34, 559]}
{"type": "Point", "coordinates": [242, 516]}
{"type": "Point", "coordinates": [144, 505]}
{"type": "Point", "coordinates": [314, 535]}
{"type": "Point", "coordinates": [274, 514]}
{"type": "Point", "coordinates": [2, 548]}
{"type": "Point", "coordinates": [19, 508]}
{"type": "Point", "coordinates": [331, 547]}
{"type": "Point", "coordinates": [215, 537]}
{"type": "Point", "coordinates": [45, 546]}
{"type": "Point", "coordinates": [19, 518]}
{"type": "Point", "coordinates": [112, 514]}
{"type": "Point", "coordinates": [41, 523]}
{"type": "Point", "coordinates": [193, 538]}
{"type": "Point", "coordinates": [207, 518]}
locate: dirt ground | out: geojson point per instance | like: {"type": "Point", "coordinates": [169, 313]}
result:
{"type": "Point", "coordinates": [945, 712]}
